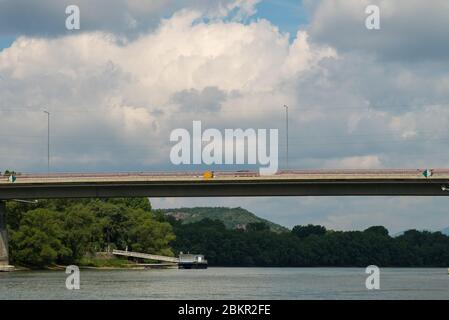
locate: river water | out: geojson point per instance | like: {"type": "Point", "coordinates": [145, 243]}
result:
{"type": "Point", "coordinates": [228, 283]}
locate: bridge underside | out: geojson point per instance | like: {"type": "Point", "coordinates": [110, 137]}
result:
{"type": "Point", "coordinates": [417, 187]}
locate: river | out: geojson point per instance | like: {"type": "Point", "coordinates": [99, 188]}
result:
{"type": "Point", "coordinates": [228, 283]}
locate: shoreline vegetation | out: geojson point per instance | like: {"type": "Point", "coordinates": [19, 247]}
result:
{"type": "Point", "coordinates": [65, 232]}
{"type": "Point", "coordinates": [55, 233]}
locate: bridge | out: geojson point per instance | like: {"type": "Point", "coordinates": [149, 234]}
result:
{"type": "Point", "coordinates": [409, 182]}
{"type": "Point", "coordinates": [394, 182]}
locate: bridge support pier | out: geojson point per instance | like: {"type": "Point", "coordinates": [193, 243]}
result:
{"type": "Point", "coordinates": [4, 255]}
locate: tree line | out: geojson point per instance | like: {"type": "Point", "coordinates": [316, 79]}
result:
{"type": "Point", "coordinates": [311, 246]}
{"type": "Point", "coordinates": [66, 231]}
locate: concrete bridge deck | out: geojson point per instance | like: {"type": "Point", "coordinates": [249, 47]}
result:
{"type": "Point", "coordinates": [399, 182]}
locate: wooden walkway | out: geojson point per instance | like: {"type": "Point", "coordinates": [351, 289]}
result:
{"type": "Point", "coordinates": [144, 256]}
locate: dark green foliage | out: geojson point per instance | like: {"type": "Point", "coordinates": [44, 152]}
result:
{"type": "Point", "coordinates": [65, 231]}
{"type": "Point", "coordinates": [257, 226]}
{"type": "Point", "coordinates": [309, 246]}
{"type": "Point", "coordinates": [305, 231]}
{"type": "Point", "coordinates": [380, 230]}
{"type": "Point", "coordinates": [149, 235]}
{"type": "Point", "coordinates": [39, 240]}
{"type": "Point", "coordinates": [82, 233]}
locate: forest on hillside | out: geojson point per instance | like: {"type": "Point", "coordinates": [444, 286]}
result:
{"type": "Point", "coordinates": [232, 218]}
{"type": "Point", "coordinates": [67, 231]}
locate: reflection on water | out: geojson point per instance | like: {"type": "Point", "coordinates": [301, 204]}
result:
{"type": "Point", "coordinates": [228, 283]}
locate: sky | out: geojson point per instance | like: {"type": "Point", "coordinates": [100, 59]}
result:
{"type": "Point", "coordinates": [137, 69]}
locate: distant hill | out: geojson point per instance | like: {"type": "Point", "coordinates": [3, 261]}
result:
{"type": "Point", "coordinates": [233, 218]}
{"type": "Point", "coordinates": [445, 231]}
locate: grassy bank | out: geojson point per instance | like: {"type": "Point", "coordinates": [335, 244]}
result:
{"type": "Point", "coordinates": [105, 263]}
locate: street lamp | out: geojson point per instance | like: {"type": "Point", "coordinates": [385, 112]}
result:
{"type": "Point", "coordinates": [286, 135]}
{"type": "Point", "coordinates": [48, 140]}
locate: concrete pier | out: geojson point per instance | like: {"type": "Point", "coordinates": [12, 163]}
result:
{"type": "Point", "coordinates": [4, 256]}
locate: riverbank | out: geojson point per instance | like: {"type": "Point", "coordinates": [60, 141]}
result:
{"type": "Point", "coordinates": [98, 263]}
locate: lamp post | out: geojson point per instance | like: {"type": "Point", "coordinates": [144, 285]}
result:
{"type": "Point", "coordinates": [286, 134]}
{"type": "Point", "coordinates": [48, 140]}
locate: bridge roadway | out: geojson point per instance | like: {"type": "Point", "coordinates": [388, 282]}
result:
{"type": "Point", "coordinates": [394, 182]}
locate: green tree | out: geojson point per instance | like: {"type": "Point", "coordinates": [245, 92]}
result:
{"type": "Point", "coordinates": [131, 203]}
{"type": "Point", "coordinates": [66, 230]}
{"type": "Point", "coordinates": [82, 232]}
{"type": "Point", "coordinates": [305, 231]}
{"type": "Point", "coordinates": [257, 226]}
{"type": "Point", "coordinates": [379, 230]}
{"type": "Point", "coordinates": [113, 221]}
{"type": "Point", "coordinates": [38, 241]}
{"type": "Point", "coordinates": [149, 235]}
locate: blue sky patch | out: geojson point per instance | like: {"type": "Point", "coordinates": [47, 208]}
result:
{"type": "Point", "coordinates": [6, 41]}
{"type": "Point", "coordinates": [288, 15]}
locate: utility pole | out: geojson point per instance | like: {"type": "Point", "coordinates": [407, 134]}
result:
{"type": "Point", "coordinates": [48, 140]}
{"type": "Point", "coordinates": [286, 134]}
